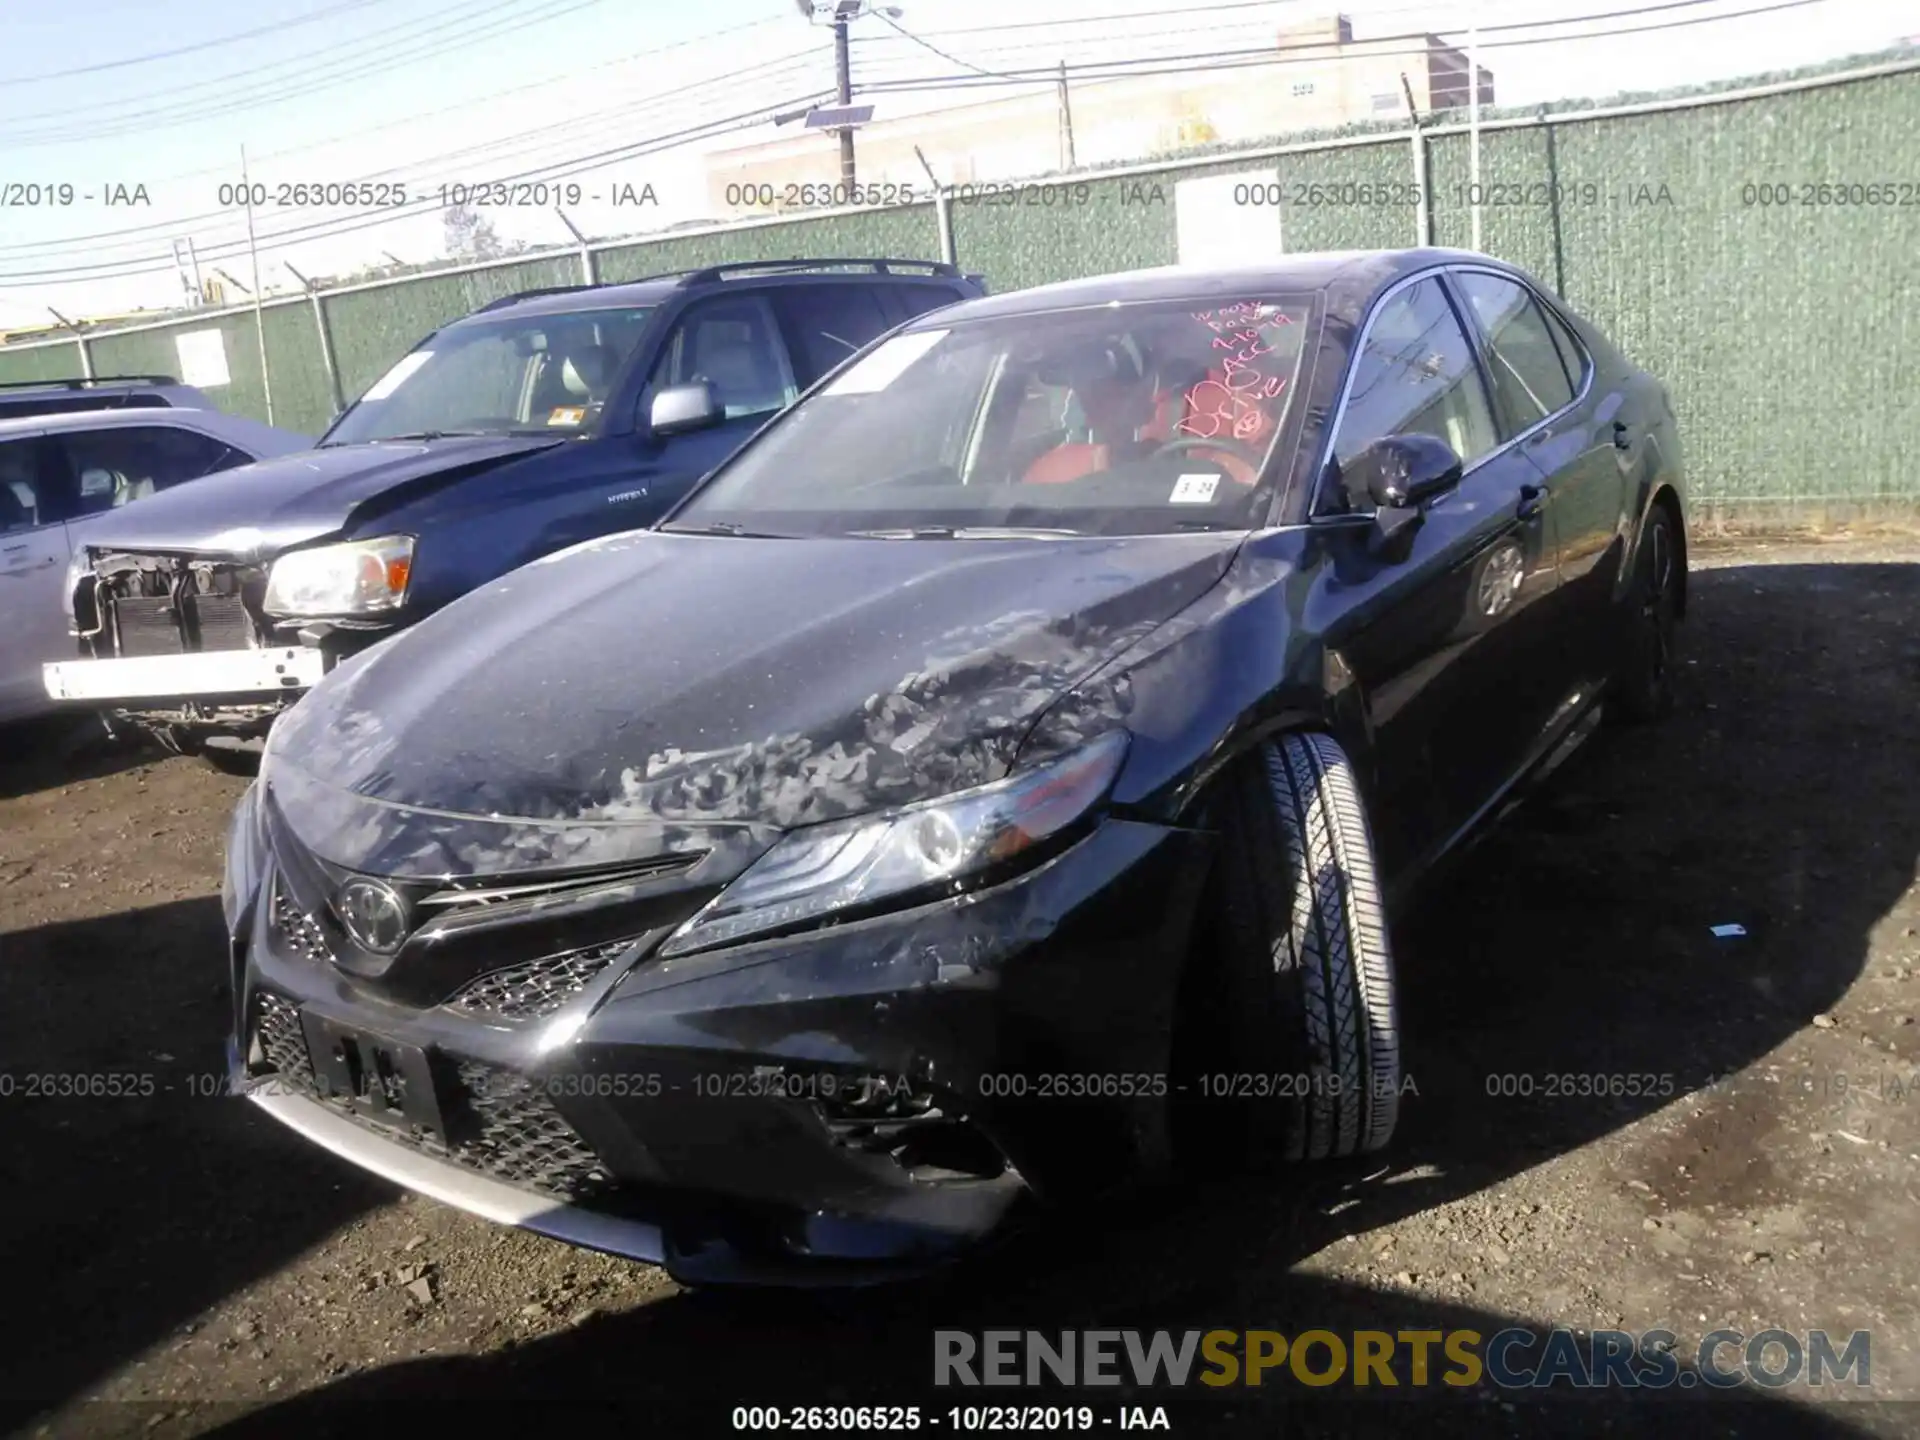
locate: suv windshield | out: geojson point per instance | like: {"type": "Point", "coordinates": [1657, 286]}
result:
{"type": "Point", "coordinates": [1118, 420]}
{"type": "Point", "coordinates": [529, 374]}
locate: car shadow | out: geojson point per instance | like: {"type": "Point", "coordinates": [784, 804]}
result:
{"type": "Point", "coordinates": [681, 1366]}
{"type": "Point", "coordinates": [1573, 941]}
{"type": "Point", "coordinates": [137, 1193]}
{"type": "Point", "coordinates": [54, 750]}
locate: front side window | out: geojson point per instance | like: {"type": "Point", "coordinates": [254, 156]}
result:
{"type": "Point", "coordinates": [1415, 375]}
{"type": "Point", "coordinates": [529, 374]}
{"type": "Point", "coordinates": [1131, 419]}
{"type": "Point", "coordinates": [1527, 374]}
{"type": "Point", "coordinates": [117, 466]}
{"type": "Point", "coordinates": [733, 345]}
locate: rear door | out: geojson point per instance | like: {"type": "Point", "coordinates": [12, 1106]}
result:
{"type": "Point", "coordinates": [1550, 410]}
{"type": "Point", "coordinates": [1441, 642]}
{"type": "Point", "coordinates": [33, 565]}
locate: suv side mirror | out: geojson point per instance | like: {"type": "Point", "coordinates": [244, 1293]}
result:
{"type": "Point", "coordinates": [679, 408]}
{"type": "Point", "coordinates": [1402, 475]}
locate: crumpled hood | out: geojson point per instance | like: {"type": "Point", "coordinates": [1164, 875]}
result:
{"type": "Point", "coordinates": [660, 679]}
{"type": "Point", "coordinates": [260, 509]}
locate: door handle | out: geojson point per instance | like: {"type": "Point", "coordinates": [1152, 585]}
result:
{"type": "Point", "coordinates": [1533, 499]}
{"type": "Point", "coordinates": [1622, 436]}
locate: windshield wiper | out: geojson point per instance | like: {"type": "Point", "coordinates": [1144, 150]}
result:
{"type": "Point", "coordinates": [726, 527]}
{"type": "Point", "coordinates": [436, 434]}
{"type": "Point", "coordinates": [966, 532]}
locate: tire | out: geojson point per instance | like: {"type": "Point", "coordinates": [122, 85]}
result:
{"type": "Point", "coordinates": [230, 761]}
{"type": "Point", "coordinates": [1294, 1000]}
{"type": "Point", "coordinates": [1643, 685]}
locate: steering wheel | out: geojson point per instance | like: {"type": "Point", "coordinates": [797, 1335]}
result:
{"type": "Point", "coordinates": [1181, 444]}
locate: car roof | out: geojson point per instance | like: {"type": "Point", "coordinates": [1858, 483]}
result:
{"type": "Point", "coordinates": [61, 420]}
{"type": "Point", "coordinates": [652, 290]}
{"type": "Point", "coordinates": [1348, 276]}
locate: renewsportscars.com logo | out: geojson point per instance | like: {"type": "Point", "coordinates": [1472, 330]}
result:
{"type": "Point", "coordinates": [1512, 1359]}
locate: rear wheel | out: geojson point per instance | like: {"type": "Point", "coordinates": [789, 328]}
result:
{"type": "Point", "coordinates": [1289, 1043]}
{"type": "Point", "coordinates": [1643, 686]}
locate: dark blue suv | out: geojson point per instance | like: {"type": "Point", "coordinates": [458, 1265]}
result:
{"type": "Point", "coordinates": [541, 420]}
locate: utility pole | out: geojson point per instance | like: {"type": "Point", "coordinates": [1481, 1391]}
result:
{"type": "Point", "coordinates": [1066, 119]}
{"type": "Point", "coordinates": [843, 84]}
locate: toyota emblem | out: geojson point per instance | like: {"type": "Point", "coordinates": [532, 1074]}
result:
{"type": "Point", "coordinates": [374, 915]}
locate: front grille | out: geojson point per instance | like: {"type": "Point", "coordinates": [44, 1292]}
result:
{"type": "Point", "coordinates": [277, 1027]}
{"type": "Point", "coordinates": [500, 1124]}
{"type": "Point", "coordinates": [535, 988]}
{"type": "Point", "coordinates": [300, 930]}
{"type": "Point", "coordinates": [146, 625]}
{"type": "Point", "coordinates": [523, 1139]}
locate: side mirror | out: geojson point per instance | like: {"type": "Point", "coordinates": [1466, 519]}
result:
{"type": "Point", "coordinates": [679, 408]}
{"type": "Point", "coordinates": [1402, 475]}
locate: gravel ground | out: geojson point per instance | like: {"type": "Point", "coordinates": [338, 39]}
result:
{"type": "Point", "coordinates": [181, 1265]}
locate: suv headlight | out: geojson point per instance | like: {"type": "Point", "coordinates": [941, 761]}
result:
{"type": "Point", "coordinates": [360, 577]}
{"type": "Point", "coordinates": [813, 873]}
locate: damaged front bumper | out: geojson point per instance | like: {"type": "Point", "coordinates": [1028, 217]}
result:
{"type": "Point", "coordinates": [178, 643]}
{"type": "Point", "coordinates": [842, 1104]}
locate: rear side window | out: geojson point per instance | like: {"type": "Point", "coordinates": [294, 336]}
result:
{"type": "Point", "coordinates": [1528, 377]}
{"type": "Point", "coordinates": [1571, 350]}
{"type": "Point", "coordinates": [130, 462]}
{"type": "Point", "coordinates": [827, 323]}
{"type": "Point", "coordinates": [918, 299]}
{"type": "Point", "coordinates": [22, 503]}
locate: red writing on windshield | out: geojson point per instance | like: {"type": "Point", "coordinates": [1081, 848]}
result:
{"type": "Point", "coordinates": [1229, 405]}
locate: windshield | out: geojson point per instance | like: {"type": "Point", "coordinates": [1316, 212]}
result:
{"type": "Point", "coordinates": [528, 374]}
{"type": "Point", "coordinates": [1118, 420]}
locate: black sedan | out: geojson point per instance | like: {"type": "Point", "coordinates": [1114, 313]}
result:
{"type": "Point", "coordinates": [992, 784]}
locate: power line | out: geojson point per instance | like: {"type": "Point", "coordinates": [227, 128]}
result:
{"type": "Point", "coordinates": [413, 118]}
{"type": "Point", "coordinates": [194, 49]}
{"type": "Point", "coordinates": [272, 90]}
{"type": "Point", "coordinates": [559, 170]}
{"type": "Point", "coordinates": [1233, 59]}
{"type": "Point", "coordinates": [1265, 55]}
{"type": "Point", "coordinates": [522, 142]}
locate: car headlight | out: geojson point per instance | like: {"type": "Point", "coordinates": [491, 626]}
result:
{"type": "Point", "coordinates": [360, 577]}
{"type": "Point", "coordinates": [933, 847]}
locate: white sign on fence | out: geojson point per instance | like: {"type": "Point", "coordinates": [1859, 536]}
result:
{"type": "Point", "coordinates": [203, 358]}
{"type": "Point", "coordinates": [1224, 220]}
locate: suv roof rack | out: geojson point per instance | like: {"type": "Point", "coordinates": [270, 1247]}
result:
{"type": "Point", "coordinates": [707, 274]}
{"type": "Point", "coordinates": [82, 382]}
{"type": "Point", "coordinates": [711, 273]}
{"type": "Point", "coordinates": [520, 295]}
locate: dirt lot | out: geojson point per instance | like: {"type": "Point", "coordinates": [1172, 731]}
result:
{"type": "Point", "coordinates": [176, 1263]}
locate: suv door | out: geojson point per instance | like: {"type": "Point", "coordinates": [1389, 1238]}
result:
{"type": "Point", "coordinates": [1443, 642]}
{"type": "Point", "coordinates": [1543, 383]}
{"type": "Point", "coordinates": [733, 343]}
{"type": "Point", "coordinates": [825, 323]}
{"type": "Point", "coordinates": [33, 565]}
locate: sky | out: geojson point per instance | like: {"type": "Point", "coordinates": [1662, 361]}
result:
{"type": "Point", "coordinates": [117, 135]}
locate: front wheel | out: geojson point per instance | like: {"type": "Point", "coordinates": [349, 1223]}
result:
{"type": "Point", "coordinates": [1291, 1037]}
